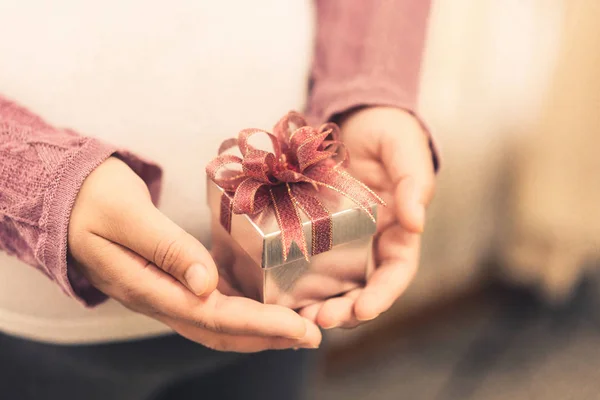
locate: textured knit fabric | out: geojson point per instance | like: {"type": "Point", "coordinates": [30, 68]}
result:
{"type": "Point", "coordinates": [41, 171]}
{"type": "Point", "coordinates": [367, 53]}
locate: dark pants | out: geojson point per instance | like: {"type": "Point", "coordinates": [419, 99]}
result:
{"type": "Point", "coordinates": [153, 369]}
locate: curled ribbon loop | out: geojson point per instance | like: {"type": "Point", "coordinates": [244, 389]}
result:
{"type": "Point", "coordinates": [286, 179]}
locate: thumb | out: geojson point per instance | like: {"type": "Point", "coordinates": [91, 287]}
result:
{"type": "Point", "coordinates": [408, 161]}
{"type": "Point", "coordinates": [148, 232]}
{"type": "Point", "coordinates": [409, 205]}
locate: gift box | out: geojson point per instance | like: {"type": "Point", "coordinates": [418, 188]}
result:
{"type": "Point", "coordinates": [290, 226]}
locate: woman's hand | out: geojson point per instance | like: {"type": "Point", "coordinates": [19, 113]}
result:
{"type": "Point", "coordinates": [390, 153]}
{"type": "Point", "coordinates": [133, 253]}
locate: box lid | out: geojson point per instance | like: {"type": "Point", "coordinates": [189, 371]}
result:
{"type": "Point", "coordinates": [260, 235]}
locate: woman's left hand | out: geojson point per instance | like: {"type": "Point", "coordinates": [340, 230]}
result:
{"type": "Point", "coordinates": [391, 154]}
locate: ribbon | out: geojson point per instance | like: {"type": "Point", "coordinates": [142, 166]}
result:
{"type": "Point", "coordinates": [287, 179]}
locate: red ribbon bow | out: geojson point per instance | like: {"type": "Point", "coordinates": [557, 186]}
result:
{"type": "Point", "coordinates": [287, 179]}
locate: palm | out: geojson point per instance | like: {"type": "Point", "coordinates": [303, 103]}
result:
{"type": "Point", "coordinates": [389, 153]}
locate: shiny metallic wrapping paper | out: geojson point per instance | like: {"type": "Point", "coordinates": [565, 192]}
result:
{"type": "Point", "coordinates": [251, 259]}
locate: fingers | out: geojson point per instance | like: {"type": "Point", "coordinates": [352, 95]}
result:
{"type": "Point", "coordinates": [242, 315]}
{"type": "Point", "coordinates": [310, 312]}
{"type": "Point", "coordinates": [337, 312]}
{"type": "Point", "coordinates": [148, 232]}
{"type": "Point", "coordinates": [398, 258]}
{"type": "Point", "coordinates": [238, 343]}
{"type": "Point", "coordinates": [145, 288]}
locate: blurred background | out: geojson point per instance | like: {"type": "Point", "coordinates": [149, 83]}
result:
{"type": "Point", "coordinates": [505, 304]}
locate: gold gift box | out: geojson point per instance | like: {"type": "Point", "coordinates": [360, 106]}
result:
{"type": "Point", "coordinates": [250, 257]}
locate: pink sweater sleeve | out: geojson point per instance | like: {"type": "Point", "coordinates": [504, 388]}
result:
{"type": "Point", "coordinates": [368, 52]}
{"type": "Point", "coordinates": [41, 171]}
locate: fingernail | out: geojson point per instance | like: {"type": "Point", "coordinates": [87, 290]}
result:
{"type": "Point", "coordinates": [196, 278]}
{"type": "Point", "coordinates": [331, 326]}
{"type": "Point", "coordinates": [309, 346]}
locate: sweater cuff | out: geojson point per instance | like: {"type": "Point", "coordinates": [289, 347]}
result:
{"type": "Point", "coordinates": [329, 100]}
{"type": "Point", "coordinates": [59, 201]}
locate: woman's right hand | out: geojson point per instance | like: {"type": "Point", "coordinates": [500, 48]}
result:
{"type": "Point", "coordinates": [133, 253]}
